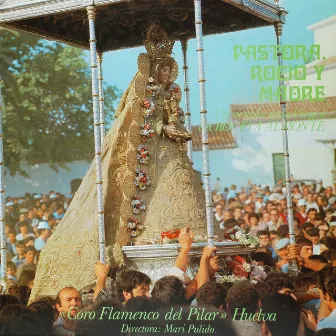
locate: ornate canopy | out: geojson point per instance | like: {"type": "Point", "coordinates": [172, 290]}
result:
{"type": "Point", "coordinates": [121, 23]}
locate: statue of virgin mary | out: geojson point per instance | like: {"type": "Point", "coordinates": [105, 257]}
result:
{"type": "Point", "coordinates": [149, 183]}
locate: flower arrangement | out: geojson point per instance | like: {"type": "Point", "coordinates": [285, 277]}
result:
{"type": "Point", "coordinates": [258, 273]}
{"type": "Point", "coordinates": [237, 234]}
{"type": "Point", "coordinates": [137, 205]}
{"type": "Point", "coordinates": [247, 239]}
{"type": "Point", "coordinates": [146, 132]}
{"type": "Point", "coordinates": [133, 226]}
{"type": "Point", "coordinates": [169, 236]}
{"type": "Point", "coordinates": [230, 233]}
{"type": "Point", "coordinates": [133, 223]}
{"type": "Point", "coordinates": [175, 91]}
{"type": "Point", "coordinates": [143, 154]}
{"type": "Point", "coordinates": [141, 179]}
{"type": "Point", "coordinates": [238, 266]}
{"type": "Point", "coordinates": [243, 271]}
{"type": "Point", "coordinates": [148, 108]}
{"type": "Point", "coordinates": [152, 88]}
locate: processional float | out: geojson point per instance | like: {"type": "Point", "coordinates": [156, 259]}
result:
{"type": "Point", "coordinates": [106, 25]}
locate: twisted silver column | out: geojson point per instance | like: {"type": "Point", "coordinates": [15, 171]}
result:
{"type": "Point", "coordinates": [97, 132]}
{"type": "Point", "coordinates": [204, 122]}
{"type": "Point", "coordinates": [3, 242]}
{"type": "Point", "coordinates": [101, 97]}
{"type": "Point", "coordinates": [184, 44]}
{"type": "Point", "coordinates": [293, 267]}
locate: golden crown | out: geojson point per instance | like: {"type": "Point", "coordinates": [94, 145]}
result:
{"type": "Point", "coordinates": [157, 42]}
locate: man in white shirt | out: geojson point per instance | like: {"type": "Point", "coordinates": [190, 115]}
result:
{"type": "Point", "coordinates": [45, 232]}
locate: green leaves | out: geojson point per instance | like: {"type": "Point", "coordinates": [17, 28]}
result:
{"type": "Point", "coordinates": [48, 103]}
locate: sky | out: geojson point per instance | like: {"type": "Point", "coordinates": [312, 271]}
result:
{"type": "Point", "coordinates": [228, 80]}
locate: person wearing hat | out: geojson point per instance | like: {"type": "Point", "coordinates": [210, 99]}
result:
{"type": "Point", "coordinates": [281, 249]}
{"type": "Point", "coordinates": [301, 214]}
{"type": "Point", "coordinates": [314, 237]}
{"type": "Point", "coordinates": [45, 232]}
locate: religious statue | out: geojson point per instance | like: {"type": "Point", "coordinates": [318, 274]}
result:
{"type": "Point", "coordinates": [149, 183]}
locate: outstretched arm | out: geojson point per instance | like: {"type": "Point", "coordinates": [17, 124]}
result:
{"type": "Point", "coordinates": [203, 272]}
{"type": "Point", "coordinates": [185, 240]}
{"type": "Point", "coordinates": [101, 272]}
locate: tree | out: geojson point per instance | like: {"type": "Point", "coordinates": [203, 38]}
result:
{"type": "Point", "coordinates": [51, 120]}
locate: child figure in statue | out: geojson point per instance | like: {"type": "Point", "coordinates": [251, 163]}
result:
{"type": "Point", "coordinates": [149, 183]}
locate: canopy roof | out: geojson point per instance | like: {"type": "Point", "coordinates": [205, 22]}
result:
{"type": "Point", "coordinates": [122, 23]}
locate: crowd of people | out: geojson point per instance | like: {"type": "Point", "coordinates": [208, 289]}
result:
{"type": "Point", "coordinates": [276, 302]}
{"type": "Point", "coordinates": [29, 222]}
{"type": "Point", "coordinates": [262, 212]}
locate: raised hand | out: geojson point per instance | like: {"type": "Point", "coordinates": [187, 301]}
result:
{"type": "Point", "coordinates": [101, 270]}
{"type": "Point", "coordinates": [208, 252]}
{"type": "Point", "coordinates": [186, 237]}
